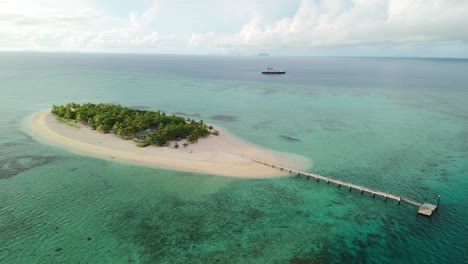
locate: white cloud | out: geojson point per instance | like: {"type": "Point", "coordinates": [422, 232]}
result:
{"type": "Point", "coordinates": [355, 22]}
{"type": "Point", "coordinates": [44, 7]}
{"type": "Point", "coordinates": [145, 20]}
{"type": "Point", "coordinates": [197, 40]}
{"type": "Point", "coordinates": [244, 26]}
{"type": "Point", "coordinates": [82, 30]}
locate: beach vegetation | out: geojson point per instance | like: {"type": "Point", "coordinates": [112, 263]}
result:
{"type": "Point", "coordinates": [127, 122]}
{"type": "Point", "coordinates": [192, 138]}
{"type": "Point", "coordinates": [68, 123]}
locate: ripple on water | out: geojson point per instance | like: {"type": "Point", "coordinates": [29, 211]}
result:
{"type": "Point", "coordinates": [224, 117]}
{"type": "Point", "coordinates": [14, 165]}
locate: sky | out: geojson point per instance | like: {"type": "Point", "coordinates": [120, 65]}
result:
{"type": "Point", "coordinates": [388, 28]}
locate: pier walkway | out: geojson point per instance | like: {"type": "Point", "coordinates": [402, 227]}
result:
{"type": "Point", "coordinates": [423, 208]}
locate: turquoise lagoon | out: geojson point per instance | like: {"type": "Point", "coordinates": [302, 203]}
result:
{"type": "Point", "coordinates": [397, 125]}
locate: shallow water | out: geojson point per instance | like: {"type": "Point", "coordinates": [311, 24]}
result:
{"type": "Point", "coordinates": [398, 125]}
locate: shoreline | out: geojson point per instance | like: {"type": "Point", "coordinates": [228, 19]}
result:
{"type": "Point", "coordinates": [222, 155]}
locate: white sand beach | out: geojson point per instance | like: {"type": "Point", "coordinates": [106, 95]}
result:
{"type": "Point", "coordinates": [222, 155]}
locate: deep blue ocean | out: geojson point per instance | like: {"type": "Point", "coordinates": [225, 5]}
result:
{"type": "Point", "coordinates": [397, 125]}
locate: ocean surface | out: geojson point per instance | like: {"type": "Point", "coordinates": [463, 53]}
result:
{"type": "Point", "coordinates": [397, 125]}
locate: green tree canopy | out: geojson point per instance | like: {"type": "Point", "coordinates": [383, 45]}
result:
{"type": "Point", "coordinates": [127, 122]}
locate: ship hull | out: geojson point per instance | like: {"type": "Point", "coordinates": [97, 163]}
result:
{"type": "Point", "coordinates": [282, 72]}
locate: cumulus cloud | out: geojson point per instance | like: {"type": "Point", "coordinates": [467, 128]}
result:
{"type": "Point", "coordinates": [355, 22]}
{"type": "Point", "coordinates": [141, 22]}
{"type": "Point", "coordinates": [84, 30]}
{"type": "Point", "coordinates": [200, 39]}
{"type": "Point", "coordinates": [222, 26]}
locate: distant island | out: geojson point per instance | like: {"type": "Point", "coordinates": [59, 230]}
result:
{"type": "Point", "coordinates": [146, 127]}
{"type": "Point", "coordinates": [104, 131]}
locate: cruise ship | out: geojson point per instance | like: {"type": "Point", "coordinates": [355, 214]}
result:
{"type": "Point", "coordinates": [273, 70]}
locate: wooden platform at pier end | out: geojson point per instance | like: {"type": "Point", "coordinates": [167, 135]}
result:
{"type": "Point", "coordinates": [423, 208]}
{"type": "Point", "coordinates": [426, 209]}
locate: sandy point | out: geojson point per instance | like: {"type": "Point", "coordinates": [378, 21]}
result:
{"type": "Point", "coordinates": [223, 155]}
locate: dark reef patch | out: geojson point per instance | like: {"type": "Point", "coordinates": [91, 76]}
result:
{"type": "Point", "coordinates": [9, 144]}
{"type": "Point", "coordinates": [288, 138]}
{"type": "Point", "coordinates": [14, 165]}
{"type": "Point", "coordinates": [177, 230]}
{"type": "Point", "coordinates": [140, 107]}
{"type": "Point", "coordinates": [262, 124]}
{"type": "Point", "coordinates": [23, 137]}
{"type": "Point", "coordinates": [228, 118]}
{"type": "Point", "coordinates": [331, 124]}
{"type": "Point", "coordinates": [185, 114]}
{"type": "Point", "coordinates": [268, 92]}
{"type": "Point", "coordinates": [325, 251]}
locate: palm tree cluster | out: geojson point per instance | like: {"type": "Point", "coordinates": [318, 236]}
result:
{"type": "Point", "coordinates": [127, 122]}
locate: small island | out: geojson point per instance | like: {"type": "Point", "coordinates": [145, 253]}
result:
{"type": "Point", "coordinates": [144, 126]}
{"type": "Point", "coordinates": [106, 131]}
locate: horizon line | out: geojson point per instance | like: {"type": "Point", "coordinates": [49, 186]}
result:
{"type": "Point", "coordinates": [230, 55]}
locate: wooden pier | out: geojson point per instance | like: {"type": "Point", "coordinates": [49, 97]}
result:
{"type": "Point", "coordinates": [423, 208]}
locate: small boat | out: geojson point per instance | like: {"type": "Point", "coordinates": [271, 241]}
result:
{"type": "Point", "coordinates": [273, 70]}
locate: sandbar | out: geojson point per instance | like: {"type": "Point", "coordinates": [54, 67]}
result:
{"type": "Point", "coordinates": [223, 155]}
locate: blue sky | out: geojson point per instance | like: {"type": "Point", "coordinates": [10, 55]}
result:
{"type": "Point", "coordinates": [403, 28]}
